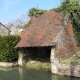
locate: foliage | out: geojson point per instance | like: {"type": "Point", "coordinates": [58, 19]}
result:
{"type": "Point", "coordinates": [35, 12]}
{"type": "Point", "coordinates": [7, 51]}
{"type": "Point", "coordinates": [72, 9]}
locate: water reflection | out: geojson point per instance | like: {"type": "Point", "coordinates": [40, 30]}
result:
{"type": "Point", "coordinates": [33, 75]}
{"type": "Point", "coordinates": [21, 73]}
{"type": "Point", "coordinates": [5, 69]}
{"type": "Point", "coordinates": [24, 74]}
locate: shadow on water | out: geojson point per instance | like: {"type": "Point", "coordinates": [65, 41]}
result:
{"type": "Point", "coordinates": [18, 73]}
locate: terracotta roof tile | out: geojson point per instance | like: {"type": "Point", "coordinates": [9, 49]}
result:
{"type": "Point", "coordinates": [42, 31]}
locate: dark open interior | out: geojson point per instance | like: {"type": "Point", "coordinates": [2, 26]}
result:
{"type": "Point", "coordinates": [38, 53]}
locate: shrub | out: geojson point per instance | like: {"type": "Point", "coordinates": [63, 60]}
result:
{"type": "Point", "coordinates": [35, 12]}
{"type": "Point", "coordinates": [7, 51]}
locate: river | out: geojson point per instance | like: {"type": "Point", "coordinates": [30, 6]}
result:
{"type": "Point", "coordinates": [18, 73]}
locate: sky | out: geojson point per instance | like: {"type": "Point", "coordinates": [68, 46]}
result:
{"type": "Point", "coordinates": [11, 10]}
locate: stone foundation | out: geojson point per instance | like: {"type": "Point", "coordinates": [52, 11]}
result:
{"type": "Point", "coordinates": [66, 69]}
{"type": "Point", "coordinates": [63, 69]}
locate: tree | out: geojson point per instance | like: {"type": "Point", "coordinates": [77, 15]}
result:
{"type": "Point", "coordinates": [20, 22]}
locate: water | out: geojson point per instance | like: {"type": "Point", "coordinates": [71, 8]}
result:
{"type": "Point", "coordinates": [24, 74]}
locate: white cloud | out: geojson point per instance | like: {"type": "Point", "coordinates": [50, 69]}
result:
{"type": "Point", "coordinates": [7, 4]}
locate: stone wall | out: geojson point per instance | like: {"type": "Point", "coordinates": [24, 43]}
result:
{"type": "Point", "coordinates": [63, 69]}
{"type": "Point", "coordinates": [66, 69]}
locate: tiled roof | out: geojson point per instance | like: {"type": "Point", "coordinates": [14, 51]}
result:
{"type": "Point", "coordinates": [5, 26]}
{"type": "Point", "coordinates": [8, 25]}
{"type": "Point", "coordinates": [42, 31]}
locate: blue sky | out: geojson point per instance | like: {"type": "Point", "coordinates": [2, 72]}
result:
{"type": "Point", "coordinates": [13, 9]}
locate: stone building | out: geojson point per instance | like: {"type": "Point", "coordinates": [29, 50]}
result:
{"type": "Point", "coordinates": [4, 30]}
{"type": "Point", "coordinates": [51, 33]}
{"type": "Point", "coordinates": [15, 30]}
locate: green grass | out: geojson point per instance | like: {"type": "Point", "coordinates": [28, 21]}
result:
{"type": "Point", "coordinates": [37, 65]}
{"type": "Point", "coordinates": [69, 60]}
{"type": "Point", "coordinates": [75, 58]}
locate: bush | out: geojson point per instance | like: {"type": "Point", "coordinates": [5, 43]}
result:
{"type": "Point", "coordinates": [35, 12]}
{"type": "Point", "coordinates": [7, 51]}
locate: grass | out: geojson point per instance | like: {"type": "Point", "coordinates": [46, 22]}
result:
{"type": "Point", "coordinates": [75, 58]}
{"type": "Point", "coordinates": [69, 60]}
{"type": "Point", "coordinates": [37, 65]}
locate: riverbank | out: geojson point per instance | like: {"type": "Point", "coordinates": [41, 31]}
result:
{"type": "Point", "coordinates": [59, 68]}
{"type": "Point", "coordinates": [8, 64]}
{"type": "Point", "coordinates": [31, 64]}
{"type": "Point", "coordinates": [69, 66]}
